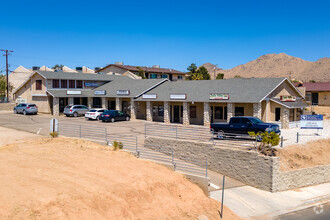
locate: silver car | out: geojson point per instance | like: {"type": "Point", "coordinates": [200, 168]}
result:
{"type": "Point", "coordinates": [26, 108]}
{"type": "Point", "coordinates": [75, 110]}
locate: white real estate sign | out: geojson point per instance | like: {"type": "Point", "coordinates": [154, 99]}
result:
{"type": "Point", "coordinates": [311, 121]}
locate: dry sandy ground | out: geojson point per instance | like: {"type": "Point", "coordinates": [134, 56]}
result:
{"type": "Point", "coordinates": [64, 178]}
{"type": "Point", "coordinates": [311, 154]}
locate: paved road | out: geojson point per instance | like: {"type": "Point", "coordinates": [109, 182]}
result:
{"type": "Point", "coordinates": [319, 212]}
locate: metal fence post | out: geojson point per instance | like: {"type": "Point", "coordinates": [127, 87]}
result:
{"type": "Point", "coordinates": [106, 135]}
{"type": "Point", "coordinates": [145, 130]}
{"type": "Point", "coordinates": [136, 144]}
{"type": "Point", "coordinates": [176, 132]}
{"type": "Point", "coordinates": [172, 156]}
{"type": "Point", "coordinates": [297, 137]}
{"type": "Point", "coordinates": [79, 131]}
{"type": "Point", "coordinates": [206, 167]}
{"type": "Point", "coordinates": [223, 192]}
{"type": "Point", "coordinates": [282, 141]}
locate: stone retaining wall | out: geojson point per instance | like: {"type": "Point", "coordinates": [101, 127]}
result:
{"type": "Point", "coordinates": [248, 167]}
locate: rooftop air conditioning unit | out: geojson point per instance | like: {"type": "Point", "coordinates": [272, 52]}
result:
{"type": "Point", "coordinates": [79, 68]}
{"type": "Point", "coordinates": [156, 66]}
{"type": "Point", "coordinates": [119, 63]}
{"type": "Point", "coordinates": [36, 68]}
{"type": "Point", "coordinates": [97, 69]}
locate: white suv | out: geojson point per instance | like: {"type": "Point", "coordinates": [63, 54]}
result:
{"type": "Point", "coordinates": [94, 114]}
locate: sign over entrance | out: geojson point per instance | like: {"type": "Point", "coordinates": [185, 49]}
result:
{"type": "Point", "coordinates": [99, 92]}
{"type": "Point", "coordinates": [68, 92]}
{"type": "Point", "coordinates": [178, 96]}
{"type": "Point", "coordinates": [219, 96]}
{"type": "Point", "coordinates": [311, 121]}
{"type": "Point", "coordinates": [123, 92]}
{"type": "Point", "coordinates": [286, 98]}
{"type": "Point", "coordinates": [149, 96]}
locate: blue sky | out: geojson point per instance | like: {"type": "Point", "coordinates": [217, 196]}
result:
{"type": "Point", "coordinates": [168, 33]}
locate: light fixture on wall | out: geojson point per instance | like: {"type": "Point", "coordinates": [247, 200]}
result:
{"type": "Point", "coordinates": [325, 97]}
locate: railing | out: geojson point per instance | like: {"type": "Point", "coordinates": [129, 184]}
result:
{"type": "Point", "coordinates": [178, 132]}
{"type": "Point", "coordinates": [94, 133]}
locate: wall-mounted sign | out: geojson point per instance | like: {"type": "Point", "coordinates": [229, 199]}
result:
{"type": "Point", "coordinates": [73, 92]}
{"type": "Point", "coordinates": [123, 92]}
{"type": "Point", "coordinates": [99, 92]}
{"type": "Point", "coordinates": [286, 98]}
{"type": "Point", "coordinates": [87, 84]}
{"type": "Point", "coordinates": [311, 121]}
{"type": "Point", "coordinates": [149, 96]}
{"type": "Point", "coordinates": [219, 96]}
{"type": "Point", "coordinates": [178, 96]}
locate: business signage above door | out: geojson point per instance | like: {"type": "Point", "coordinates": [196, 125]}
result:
{"type": "Point", "coordinates": [99, 92]}
{"type": "Point", "coordinates": [149, 96]}
{"type": "Point", "coordinates": [219, 96]}
{"type": "Point", "coordinates": [123, 92]}
{"type": "Point", "coordinates": [91, 84]}
{"type": "Point", "coordinates": [286, 98]}
{"type": "Point", "coordinates": [73, 92]}
{"type": "Point", "coordinates": [182, 96]}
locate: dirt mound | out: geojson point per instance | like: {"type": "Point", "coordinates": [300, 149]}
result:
{"type": "Point", "coordinates": [279, 65]}
{"type": "Point", "coordinates": [65, 178]}
{"type": "Point", "coordinates": [313, 153]}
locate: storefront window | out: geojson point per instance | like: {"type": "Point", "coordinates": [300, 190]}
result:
{"type": "Point", "coordinates": [239, 111]}
{"type": "Point", "coordinates": [160, 110]}
{"type": "Point", "coordinates": [218, 112]}
{"type": "Point", "coordinates": [154, 110]}
{"type": "Point", "coordinates": [193, 112]}
{"type": "Point", "coordinates": [225, 114]}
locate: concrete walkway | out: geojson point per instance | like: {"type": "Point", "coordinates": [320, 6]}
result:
{"type": "Point", "coordinates": [249, 202]}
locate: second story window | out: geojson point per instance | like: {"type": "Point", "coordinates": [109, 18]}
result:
{"type": "Point", "coordinates": [79, 84]}
{"type": "Point", "coordinates": [72, 84]}
{"type": "Point", "coordinates": [153, 76]}
{"type": "Point", "coordinates": [56, 83]}
{"type": "Point", "coordinates": [164, 76]}
{"type": "Point", "coordinates": [179, 77]}
{"type": "Point", "coordinates": [38, 84]}
{"type": "Point", "coordinates": [64, 83]}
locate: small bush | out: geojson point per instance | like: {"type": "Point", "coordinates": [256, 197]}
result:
{"type": "Point", "coordinates": [54, 134]}
{"type": "Point", "coordinates": [117, 145]}
{"type": "Point", "coordinates": [120, 145]}
{"type": "Point", "coordinates": [268, 141]}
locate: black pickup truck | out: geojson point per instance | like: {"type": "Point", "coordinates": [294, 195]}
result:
{"type": "Point", "coordinates": [240, 126]}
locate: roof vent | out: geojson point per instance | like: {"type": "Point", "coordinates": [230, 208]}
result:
{"type": "Point", "coordinates": [36, 68]}
{"type": "Point", "coordinates": [156, 66]}
{"type": "Point", "coordinates": [79, 68]}
{"type": "Point", "coordinates": [119, 63]}
{"type": "Point", "coordinates": [97, 69]}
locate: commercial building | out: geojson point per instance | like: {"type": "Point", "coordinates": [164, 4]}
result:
{"type": "Point", "coordinates": [187, 102]}
{"type": "Point", "coordinates": [317, 93]}
{"type": "Point", "coordinates": [154, 72]}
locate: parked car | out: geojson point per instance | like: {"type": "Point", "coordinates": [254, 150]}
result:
{"type": "Point", "coordinates": [26, 108]}
{"type": "Point", "coordinates": [75, 110]}
{"type": "Point", "coordinates": [94, 114]}
{"type": "Point", "coordinates": [114, 115]}
{"type": "Point", "coordinates": [240, 126]}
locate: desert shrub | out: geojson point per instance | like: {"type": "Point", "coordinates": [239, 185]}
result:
{"type": "Point", "coordinates": [117, 145]}
{"type": "Point", "coordinates": [54, 134]}
{"type": "Point", "coordinates": [268, 141]}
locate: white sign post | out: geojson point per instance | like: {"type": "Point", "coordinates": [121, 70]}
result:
{"type": "Point", "coordinates": [53, 126]}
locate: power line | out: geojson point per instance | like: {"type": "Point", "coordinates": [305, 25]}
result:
{"type": "Point", "coordinates": [7, 53]}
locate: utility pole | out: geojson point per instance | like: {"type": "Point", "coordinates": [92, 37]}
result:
{"type": "Point", "coordinates": [7, 53]}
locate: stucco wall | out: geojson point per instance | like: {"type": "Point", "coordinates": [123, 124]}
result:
{"type": "Point", "coordinates": [248, 167]}
{"type": "Point", "coordinates": [284, 89]}
{"type": "Point", "coordinates": [199, 114]}
{"type": "Point", "coordinates": [322, 100]}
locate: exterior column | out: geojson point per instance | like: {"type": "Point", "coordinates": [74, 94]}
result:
{"type": "Point", "coordinates": [56, 109]}
{"type": "Point", "coordinates": [118, 104]}
{"type": "Point", "coordinates": [285, 117]}
{"type": "Point", "coordinates": [257, 110]}
{"type": "Point", "coordinates": [186, 113]}
{"type": "Point", "coordinates": [133, 109]}
{"type": "Point", "coordinates": [149, 111]}
{"type": "Point", "coordinates": [90, 102]}
{"type": "Point", "coordinates": [230, 111]}
{"type": "Point", "coordinates": [207, 114]}
{"type": "Point", "coordinates": [167, 119]}
{"type": "Point", "coordinates": [267, 110]}
{"type": "Point", "coordinates": [70, 101]}
{"type": "Point", "coordinates": [104, 103]}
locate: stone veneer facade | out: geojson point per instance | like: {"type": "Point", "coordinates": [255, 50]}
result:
{"type": "Point", "coordinates": [230, 111]}
{"type": "Point", "coordinates": [133, 109]}
{"type": "Point", "coordinates": [149, 111]}
{"type": "Point", "coordinates": [257, 110]}
{"type": "Point", "coordinates": [207, 114]}
{"type": "Point", "coordinates": [167, 119]}
{"type": "Point", "coordinates": [186, 113]}
{"type": "Point", "coordinates": [103, 101]}
{"type": "Point", "coordinates": [56, 109]}
{"type": "Point", "coordinates": [90, 102]}
{"type": "Point", "coordinates": [70, 101]}
{"type": "Point", "coordinates": [285, 118]}
{"type": "Point", "coordinates": [118, 104]}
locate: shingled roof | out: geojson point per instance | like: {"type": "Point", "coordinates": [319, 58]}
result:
{"type": "Point", "coordinates": [146, 69]}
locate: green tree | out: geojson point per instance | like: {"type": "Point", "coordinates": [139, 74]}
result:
{"type": "Point", "coordinates": [203, 71]}
{"type": "Point", "coordinates": [197, 73]}
{"type": "Point", "coordinates": [192, 68]}
{"type": "Point", "coordinates": [141, 72]}
{"type": "Point", "coordinates": [3, 85]}
{"type": "Point", "coordinates": [220, 76]}
{"type": "Point", "coordinates": [57, 66]}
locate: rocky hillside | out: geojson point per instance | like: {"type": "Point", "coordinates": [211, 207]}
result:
{"type": "Point", "coordinates": [278, 65]}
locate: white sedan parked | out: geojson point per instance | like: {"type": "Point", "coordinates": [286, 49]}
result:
{"type": "Point", "coordinates": [94, 114]}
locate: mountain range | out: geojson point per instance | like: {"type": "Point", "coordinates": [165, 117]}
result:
{"type": "Point", "coordinates": [277, 65]}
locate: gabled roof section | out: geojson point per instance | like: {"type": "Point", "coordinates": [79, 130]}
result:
{"type": "Point", "coordinates": [317, 87]}
{"type": "Point", "coordinates": [240, 90]}
{"type": "Point", "coordinates": [146, 69]}
{"type": "Point", "coordinates": [80, 76]}
{"type": "Point", "coordinates": [136, 86]}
